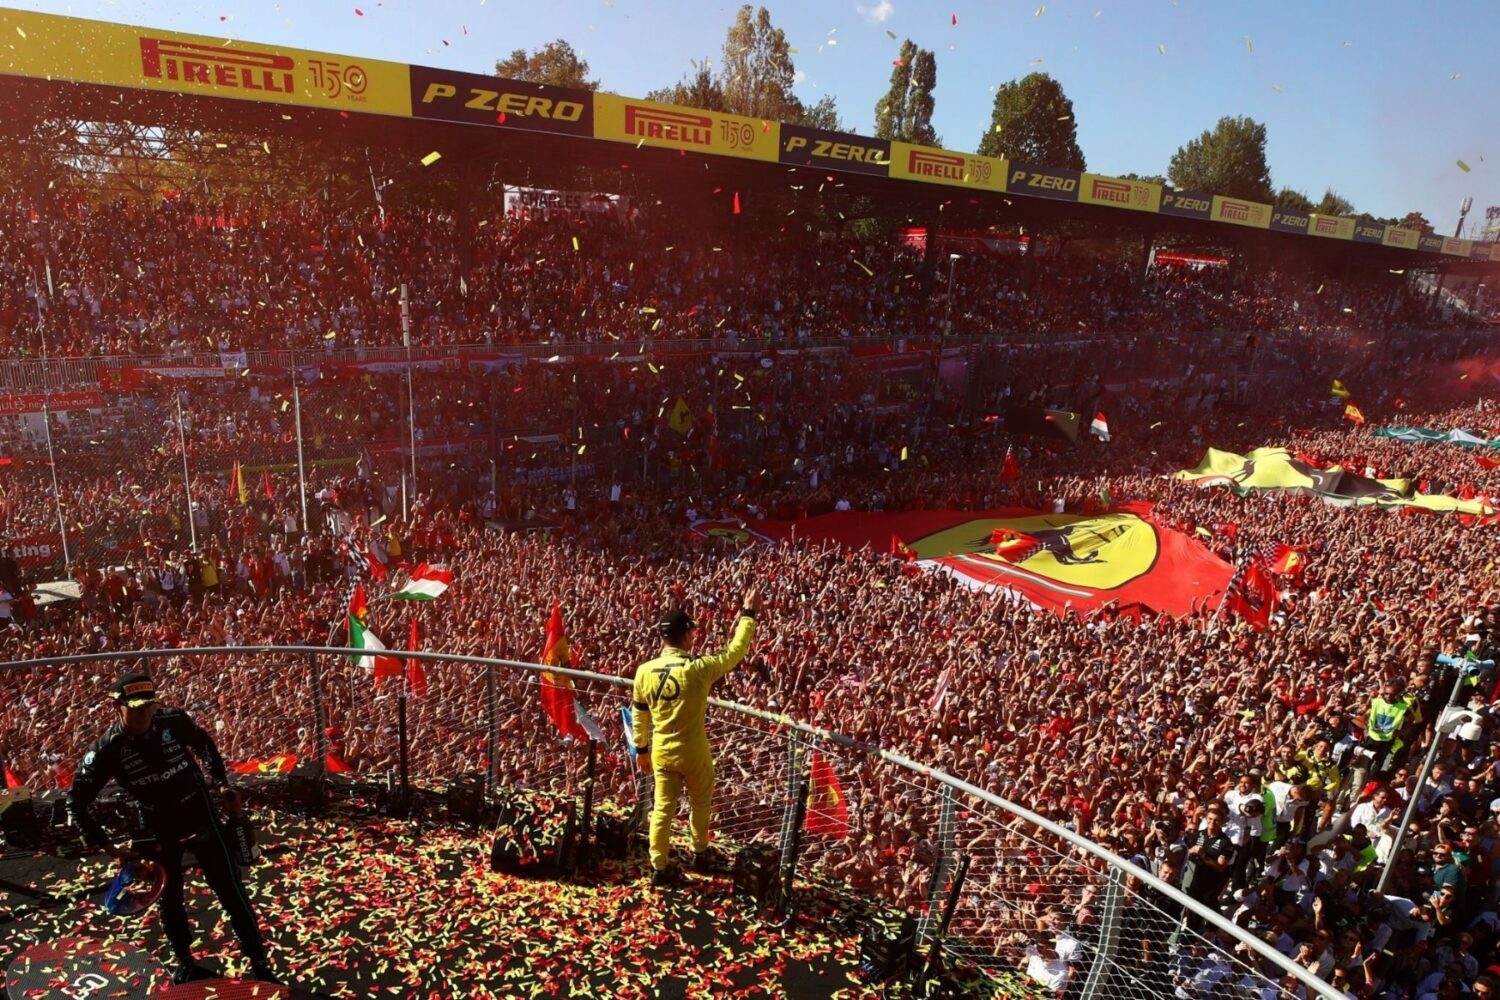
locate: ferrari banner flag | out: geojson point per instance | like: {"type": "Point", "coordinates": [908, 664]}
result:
{"type": "Point", "coordinates": [1277, 469]}
{"type": "Point", "coordinates": [1427, 435]}
{"type": "Point", "coordinates": [1078, 561]}
{"type": "Point", "coordinates": [827, 805]}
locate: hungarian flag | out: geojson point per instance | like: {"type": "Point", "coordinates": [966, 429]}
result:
{"type": "Point", "coordinates": [1353, 413]}
{"type": "Point", "coordinates": [279, 764]}
{"type": "Point", "coordinates": [426, 583]}
{"type": "Point", "coordinates": [1338, 389]}
{"type": "Point", "coordinates": [237, 492]}
{"type": "Point", "coordinates": [1100, 427]}
{"type": "Point", "coordinates": [265, 484]}
{"type": "Point", "coordinates": [1252, 595]}
{"type": "Point", "coordinates": [827, 805]}
{"type": "Point", "coordinates": [416, 677]}
{"type": "Point", "coordinates": [1013, 545]}
{"type": "Point", "coordinates": [1010, 470]}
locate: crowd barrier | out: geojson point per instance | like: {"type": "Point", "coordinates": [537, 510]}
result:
{"type": "Point", "coordinates": [909, 825]}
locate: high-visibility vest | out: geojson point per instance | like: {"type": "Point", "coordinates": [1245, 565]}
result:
{"type": "Point", "coordinates": [1384, 719]}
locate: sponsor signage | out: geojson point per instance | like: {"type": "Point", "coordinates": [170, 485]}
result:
{"type": "Point", "coordinates": [1430, 243]}
{"type": "Point", "coordinates": [1044, 182]}
{"type": "Point", "coordinates": [667, 126]}
{"type": "Point", "coordinates": [1331, 227]}
{"type": "Point", "coordinates": [35, 550]}
{"type": "Point", "coordinates": [1369, 232]}
{"type": "Point", "coordinates": [813, 147]}
{"type": "Point", "coordinates": [1396, 236]}
{"type": "Point", "coordinates": [1482, 251]}
{"type": "Point", "coordinates": [1186, 204]}
{"type": "Point", "coordinates": [1241, 212]}
{"type": "Point", "coordinates": [1455, 247]}
{"type": "Point", "coordinates": [57, 402]}
{"type": "Point", "coordinates": [944, 166]}
{"type": "Point", "coordinates": [490, 100]}
{"type": "Point", "coordinates": [1117, 192]}
{"type": "Point", "coordinates": [1289, 220]}
{"type": "Point", "coordinates": [121, 55]}
{"type": "Point", "coordinates": [1495, 252]}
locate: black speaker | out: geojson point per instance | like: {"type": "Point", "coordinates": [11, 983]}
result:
{"type": "Point", "coordinates": [466, 802]}
{"type": "Point", "coordinates": [19, 825]}
{"type": "Point", "coordinates": [612, 837]}
{"type": "Point", "coordinates": [887, 947]}
{"type": "Point", "coordinates": [307, 789]}
{"type": "Point", "coordinates": [534, 834]}
{"type": "Point", "coordinates": [756, 868]}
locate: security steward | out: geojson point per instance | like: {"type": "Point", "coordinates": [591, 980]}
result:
{"type": "Point", "coordinates": [151, 753]}
{"type": "Point", "coordinates": [671, 698]}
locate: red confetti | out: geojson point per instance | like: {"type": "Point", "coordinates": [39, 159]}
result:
{"type": "Point", "coordinates": [955, 19]}
{"type": "Point", "coordinates": [736, 203]}
{"type": "Point", "coordinates": [898, 62]}
{"type": "Point", "coordinates": [501, 119]}
{"type": "Point", "coordinates": [359, 12]}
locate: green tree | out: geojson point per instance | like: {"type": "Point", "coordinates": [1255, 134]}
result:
{"type": "Point", "coordinates": [1149, 178]}
{"type": "Point", "coordinates": [905, 113]}
{"type": "Point", "coordinates": [1033, 122]}
{"type": "Point", "coordinates": [699, 89]}
{"type": "Point", "coordinates": [1333, 203]}
{"type": "Point", "coordinates": [1292, 198]}
{"type": "Point", "coordinates": [1415, 220]}
{"type": "Point", "coordinates": [758, 74]}
{"type": "Point", "coordinates": [555, 63]}
{"type": "Point", "coordinates": [1230, 160]}
{"type": "Point", "coordinates": [824, 114]}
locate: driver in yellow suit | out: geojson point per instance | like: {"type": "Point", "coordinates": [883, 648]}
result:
{"type": "Point", "coordinates": [670, 699]}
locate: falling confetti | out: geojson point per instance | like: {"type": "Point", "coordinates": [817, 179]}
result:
{"type": "Point", "coordinates": [891, 33]}
{"type": "Point", "coordinates": [1463, 166]}
{"type": "Point", "coordinates": [1249, 45]}
{"type": "Point", "coordinates": [1455, 76]}
{"type": "Point", "coordinates": [955, 20]}
{"type": "Point", "coordinates": [359, 12]}
{"type": "Point", "coordinates": [898, 62]}
{"type": "Point", "coordinates": [1162, 49]}
{"type": "Point", "coordinates": [1040, 11]}
{"type": "Point", "coordinates": [1276, 87]}
{"type": "Point", "coordinates": [20, 32]}
{"type": "Point", "coordinates": [431, 158]}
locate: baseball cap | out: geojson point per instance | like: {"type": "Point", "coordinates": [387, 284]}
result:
{"type": "Point", "coordinates": [134, 689]}
{"type": "Point", "coordinates": [675, 622]}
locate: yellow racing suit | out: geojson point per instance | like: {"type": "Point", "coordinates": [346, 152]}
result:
{"type": "Point", "coordinates": [671, 698]}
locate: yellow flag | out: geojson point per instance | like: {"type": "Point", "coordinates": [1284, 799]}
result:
{"type": "Point", "coordinates": [1338, 389]}
{"type": "Point", "coordinates": [681, 418]}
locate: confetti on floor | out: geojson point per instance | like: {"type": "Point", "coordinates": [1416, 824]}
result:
{"type": "Point", "coordinates": [431, 158]}
{"type": "Point", "coordinates": [355, 906]}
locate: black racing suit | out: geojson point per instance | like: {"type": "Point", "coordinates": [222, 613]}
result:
{"type": "Point", "coordinates": [158, 769]}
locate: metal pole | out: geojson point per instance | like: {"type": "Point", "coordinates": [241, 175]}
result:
{"type": "Point", "coordinates": [301, 474]}
{"type": "Point", "coordinates": [1102, 962]}
{"type": "Point", "coordinates": [1427, 762]}
{"type": "Point", "coordinates": [320, 715]}
{"type": "Point", "coordinates": [948, 303]}
{"type": "Point", "coordinates": [403, 745]}
{"type": "Point", "coordinates": [187, 481]}
{"type": "Point", "coordinates": [411, 413]}
{"type": "Point", "coordinates": [940, 865]}
{"type": "Point", "coordinates": [492, 701]}
{"type": "Point", "coordinates": [41, 329]}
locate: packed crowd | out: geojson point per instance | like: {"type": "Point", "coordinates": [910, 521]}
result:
{"type": "Point", "coordinates": [1225, 761]}
{"type": "Point", "coordinates": [179, 280]}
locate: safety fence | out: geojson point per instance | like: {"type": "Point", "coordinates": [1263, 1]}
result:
{"type": "Point", "coordinates": [880, 826]}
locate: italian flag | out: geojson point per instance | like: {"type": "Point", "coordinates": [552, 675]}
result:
{"type": "Point", "coordinates": [427, 583]}
{"type": "Point", "coordinates": [362, 637]}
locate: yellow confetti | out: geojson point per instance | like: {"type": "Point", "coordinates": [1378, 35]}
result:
{"type": "Point", "coordinates": [1463, 166]}
{"type": "Point", "coordinates": [1162, 49]}
{"type": "Point", "coordinates": [575, 244]}
{"type": "Point", "coordinates": [267, 147]}
{"type": "Point", "coordinates": [1276, 87]}
{"type": "Point", "coordinates": [1249, 45]}
{"type": "Point", "coordinates": [865, 269]}
{"type": "Point", "coordinates": [1040, 11]}
{"type": "Point", "coordinates": [582, 448]}
{"type": "Point", "coordinates": [431, 158]}
{"type": "Point", "coordinates": [20, 32]}
{"type": "Point", "coordinates": [903, 453]}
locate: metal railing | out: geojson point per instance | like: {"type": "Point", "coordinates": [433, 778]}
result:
{"type": "Point", "coordinates": [907, 823]}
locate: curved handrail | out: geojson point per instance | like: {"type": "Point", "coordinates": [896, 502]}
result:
{"type": "Point", "coordinates": [1318, 987]}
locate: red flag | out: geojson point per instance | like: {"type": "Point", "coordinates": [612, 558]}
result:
{"type": "Point", "coordinates": [1010, 470]}
{"type": "Point", "coordinates": [265, 484]}
{"type": "Point", "coordinates": [12, 779]}
{"type": "Point", "coordinates": [279, 764]}
{"type": "Point", "coordinates": [357, 607]}
{"type": "Point", "coordinates": [1353, 413]}
{"type": "Point", "coordinates": [827, 805]}
{"type": "Point", "coordinates": [416, 677]}
{"type": "Point", "coordinates": [1229, 529]}
{"type": "Point", "coordinates": [557, 689]}
{"type": "Point", "coordinates": [1488, 463]}
{"type": "Point", "coordinates": [236, 484]}
{"type": "Point", "coordinates": [1252, 595]}
{"type": "Point", "coordinates": [1288, 560]}
{"type": "Point", "coordinates": [901, 550]}
{"type": "Point", "coordinates": [377, 568]}
{"type": "Point", "coordinates": [334, 764]}
{"type": "Point", "coordinates": [555, 646]}
{"type": "Point", "coordinates": [1012, 545]}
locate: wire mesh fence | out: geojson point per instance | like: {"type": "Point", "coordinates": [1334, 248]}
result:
{"type": "Point", "coordinates": [1037, 904]}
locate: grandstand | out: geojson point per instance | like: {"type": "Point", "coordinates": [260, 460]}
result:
{"type": "Point", "coordinates": [624, 366]}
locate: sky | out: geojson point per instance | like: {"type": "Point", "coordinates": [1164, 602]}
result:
{"type": "Point", "coordinates": [1378, 99]}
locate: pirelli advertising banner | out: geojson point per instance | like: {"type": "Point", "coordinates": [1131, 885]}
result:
{"type": "Point", "coordinates": [943, 166]}
{"type": "Point", "coordinates": [65, 48]}
{"type": "Point", "coordinates": [489, 100]}
{"type": "Point", "coordinates": [1456, 248]}
{"type": "Point", "coordinates": [667, 126]}
{"type": "Point", "coordinates": [1186, 204]}
{"type": "Point", "coordinates": [1141, 196]}
{"type": "Point", "coordinates": [1044, 182]}
{"type": "Point", "coordinates": [814, 147]}
{"type": "Point", "coordinates": [1331, 227]}
{"type": "Point", "coordinates": [1241, 212]}
{"type": "Point", "coordinates": [1405, 239]}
